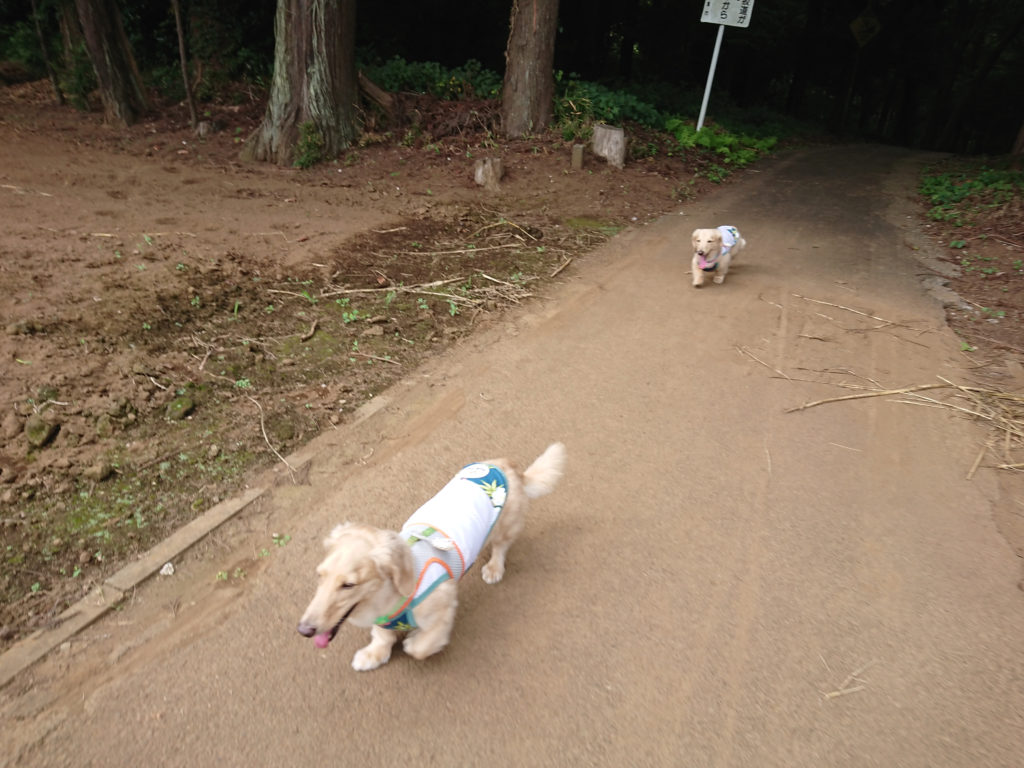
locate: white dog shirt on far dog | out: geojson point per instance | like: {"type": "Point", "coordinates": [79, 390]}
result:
{"type": "Point", "coordinates": [729, 235]}
{"type": "Point", "coordinates": [447, 533]}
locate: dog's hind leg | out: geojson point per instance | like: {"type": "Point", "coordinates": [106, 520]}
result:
{"type": "Point", "coordinates": [506, 532]}
{"type": "Point", "coordinates": [377, 652]}
{"type": "Point", "coordinates": [494, 570]}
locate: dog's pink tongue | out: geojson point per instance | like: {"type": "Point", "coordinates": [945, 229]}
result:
{"type": "Point", "coordinates": [321, 640]}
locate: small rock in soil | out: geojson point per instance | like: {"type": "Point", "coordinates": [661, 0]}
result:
{"type": "Point", "coordinates": [22, 328]}
{"type": "Point", "coordinates": [39, 431]}
{"type": "Point", "coordinates": [98, 472]}
{"type": "Point", "coordinates": [179, 408]}
{"type": "Point", "coordinates": [11, 426]}
{"type": "Point", "coordinates": [104, 426]}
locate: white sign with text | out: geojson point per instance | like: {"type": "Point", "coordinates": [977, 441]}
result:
{"type": "Point", "coordinates": [731, 13]}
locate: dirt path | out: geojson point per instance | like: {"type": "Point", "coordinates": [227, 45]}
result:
{"type": "Point", "coordinates": [717, 582]}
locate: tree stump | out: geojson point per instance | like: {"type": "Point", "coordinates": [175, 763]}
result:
{"type": "Point", "coordinates": [610, 143]}
{"type": "Point", "coordinates": [488, 173]}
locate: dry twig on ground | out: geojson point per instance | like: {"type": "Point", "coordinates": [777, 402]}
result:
{"type": "Point", "coordinates": [263, 429]}
{"type": "Point", "coordinates": [1002, 411]}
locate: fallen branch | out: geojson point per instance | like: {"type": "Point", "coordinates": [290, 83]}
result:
{"type": "Point", "coordinates": [844, 688]}
{"type": "Point", "coordinates": [977, 461]}
{"type": "Point", "coordinates": [848, 309]}
{"type": "Point", "coordinates": [266, 439]}
{"type": "Point", "coordinates": [844, 691]}
{"type": "Point", "coordinates": [375, 357]}
{"type": "Point", "coordinates": [880, 393]}
{"type": "Point", "coordinates": [564, 264]}
{"type": "Point", "coordinates": [753, 357]}
{"type": "Point", "coordinates": [396, 288]}
{"type": "Point", "coordinates": [459, 251]}
{"type": "Point", "coordinates": [496, 280]}
{"type": "Point", "coordinates": [312, 330]}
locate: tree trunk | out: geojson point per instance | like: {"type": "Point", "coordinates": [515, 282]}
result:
{"type": "Point", "coordinates": [314, 91]}
{"type": "Point", "coordinates": [117, 75]}
{"type": "Point", "coordinates": [50, 73]}
{"type": "Point", "coordinates": [70, 32]}
{"type": "Point", "coordinates": [630, 12]}
{"type": "Point", "coordinates": [807, 48]}
{"type": "Point", "coordinates": [961, 103]}
{"type": "Point", "coordinates": [189, 96]}
{"type": "Point", "coordinates": [1017, 152]}
{"type": "Point", "coordinates": [527, 97]}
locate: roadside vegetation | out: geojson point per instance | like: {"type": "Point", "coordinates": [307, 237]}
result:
{"type": "Point", "coordinates": [976, 207]}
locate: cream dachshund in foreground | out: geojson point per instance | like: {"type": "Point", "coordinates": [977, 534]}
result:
{"type": "Point", "coordinates": [713, 251]}
{"type": "Point", "coordinates": [406, 582]}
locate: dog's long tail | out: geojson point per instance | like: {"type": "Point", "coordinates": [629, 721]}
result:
{"type": "Point", "coordinates": [541, 476]}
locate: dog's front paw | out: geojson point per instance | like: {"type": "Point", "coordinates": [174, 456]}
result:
{"type": "Point", "coordinates": [370, 657]}
{"type": "Point", "coordinates": [420, 645]}
{"type": "Point", "coordinates": [719, 279]}
{"type": "Point", "coordinates": [493, 572]}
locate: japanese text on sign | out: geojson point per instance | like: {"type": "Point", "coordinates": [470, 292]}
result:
{"type": "Point", "coordinates": [731, 13]}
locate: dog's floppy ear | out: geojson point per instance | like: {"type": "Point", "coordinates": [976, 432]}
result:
{"type": "Point", "coordinates": [394, 562]}
{"type": "Point", "coordinates": [693, 237]}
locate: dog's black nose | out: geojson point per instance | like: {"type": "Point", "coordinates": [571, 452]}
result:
{"type": "Point", "coordinates": [306, 630]}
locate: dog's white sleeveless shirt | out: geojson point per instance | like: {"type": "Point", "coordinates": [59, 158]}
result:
{"type": "Point", "coordinates": [729, 237]}
{"type": "Point", "coordinates": [447, 534]}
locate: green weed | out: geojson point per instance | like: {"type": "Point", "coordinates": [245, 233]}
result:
{"type": "Point", "coordinates": [957, 195]}
{"type": "Point", "coordinates": [309, 150]}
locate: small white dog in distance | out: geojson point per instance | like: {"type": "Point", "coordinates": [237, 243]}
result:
{"type": "Point", "coordinates": [406, 582]}
{"type": "Point", "coordinates": [713, 252]}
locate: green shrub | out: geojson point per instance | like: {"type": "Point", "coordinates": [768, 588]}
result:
{"type": "Point", "coordinates": [955, 194]}
{"type": "Point", "coordinates": [78, 80]}
{"type": "Point", "coordinates": [579, 104]}
{"type": "Point", "coordinates": [734, 150]}
{"type": "Point", "coordinates": [309, 150]}
{"type": "Point", "coordinates": [18, 42]}
{"type": "Point", "coordinates": [469, 80]}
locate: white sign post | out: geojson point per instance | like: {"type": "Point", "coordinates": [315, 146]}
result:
{"type": "Point", "coordinates": [725, 13]}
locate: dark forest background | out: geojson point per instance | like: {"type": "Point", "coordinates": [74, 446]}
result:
{"type": "Point", "coordinates": [934, 74]}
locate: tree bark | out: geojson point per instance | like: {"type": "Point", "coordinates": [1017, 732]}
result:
{"type": "Point", "coordinates": [50, 72]}
{"type": "Point", "coordinates": [314, 82]}
{"type": "Point", "coordinates": [528, 92]}
{"type": "Point", "coordinates": [947, 139]}
{"type": "Point", "coordinates": [117, 75]}
{"type": "Point", "coordinates": [189, 96]}
{"type": "Point", "coordinates": [1017, 152]}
